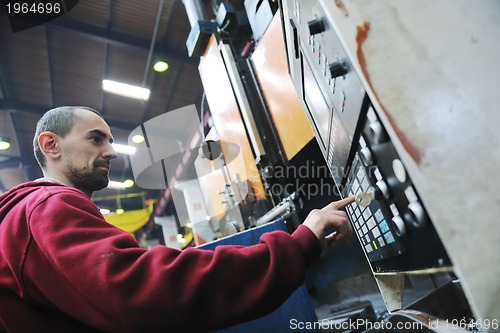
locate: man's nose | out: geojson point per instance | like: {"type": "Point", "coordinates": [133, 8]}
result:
{"type": "Point", "coordinates": [110, 153]}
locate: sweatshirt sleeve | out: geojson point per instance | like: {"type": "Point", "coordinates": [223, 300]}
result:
{"type": "Point", "coordinates": [98, 274]}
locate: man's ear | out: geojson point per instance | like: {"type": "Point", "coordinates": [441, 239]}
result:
{"type": "Point", "coordinates": [49, 146]}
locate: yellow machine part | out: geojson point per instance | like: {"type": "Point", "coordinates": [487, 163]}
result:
{"type": "Point", "coordinates": [290, 120]}
{"type": "Point", "coordinates": [130, 221]}
{"type": "Point", "coordinates": [227, 120]}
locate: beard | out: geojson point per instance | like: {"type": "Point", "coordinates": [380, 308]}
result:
{"type": "Point", "coordinates": [89, 180]}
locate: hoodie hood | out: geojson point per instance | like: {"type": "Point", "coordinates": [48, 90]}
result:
{"type": "Point", "coordinates": [12, 197]}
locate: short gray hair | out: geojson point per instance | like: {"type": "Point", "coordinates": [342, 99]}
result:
{"type": "Point", "coordinates": [59, 121]}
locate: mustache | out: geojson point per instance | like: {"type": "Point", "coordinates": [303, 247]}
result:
{"type": "Point", "coordinates": [102, 163]}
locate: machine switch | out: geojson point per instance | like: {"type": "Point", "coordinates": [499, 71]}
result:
{"type": "Point", "coordinates": [316, 26]}
{"type": "Point", "coordinates": [400, 225]}
{"type": "Point", "coordinates": [416, 214]}
{"type": "Point", "coordinates": [378, 132]}
{"type": "Point", "coordinates": [366, 156]}
{"type": "Point", "coordinates": [337, 68]}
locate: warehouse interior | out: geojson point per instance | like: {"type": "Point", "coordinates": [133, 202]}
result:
{"type": "Point", "coordinates": [265, 110]}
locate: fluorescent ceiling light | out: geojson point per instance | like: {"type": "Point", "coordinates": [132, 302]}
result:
{"type": "Point", "coordinates": [123, 149]}
{"type": "Point", "coordinates": [160, 66]}
{"type": "Point", "coordinates": [125, 90]}
{"type": "Point", "coordinates": [117, 185]}
{"type": "Point", "coordinates": [4, 143]}
{"type": "Point", "coordinates": [121, 185]}
{"type": "Point", "coordinates": [138, 138]}
{"type": "Point", "coordinates": [128, 183]}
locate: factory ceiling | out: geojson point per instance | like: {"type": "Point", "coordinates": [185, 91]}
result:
{"type": "Point", "coordinates": [64, 61]}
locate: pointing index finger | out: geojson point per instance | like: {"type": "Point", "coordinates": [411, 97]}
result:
{"type": "Point", "coordinates": [342, 203]}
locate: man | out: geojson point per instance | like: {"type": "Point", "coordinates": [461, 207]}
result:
{"type": "Point", "coordinates": [64, 269]}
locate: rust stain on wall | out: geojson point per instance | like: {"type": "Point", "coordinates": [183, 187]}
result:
{"type": "Point", "coordinates": [341, 6]}
{"type": "Point", "coordinates": [361, 36]}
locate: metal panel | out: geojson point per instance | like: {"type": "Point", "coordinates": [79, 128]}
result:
{"type": "Point", "coordinates": [269, 61]}
{"type": "Point", "coordinates": [226, 116]}
{"type": "Point", "coordinates": [439, 110]}
{"type": "Point", "coordinates": [298, 308]}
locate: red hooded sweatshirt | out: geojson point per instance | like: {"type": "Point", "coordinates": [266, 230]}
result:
{"type": "Point", "coordinates": [63, 268]}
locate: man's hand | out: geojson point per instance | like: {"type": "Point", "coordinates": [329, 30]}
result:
{"type": "Point", "coordinates": [329, 218]}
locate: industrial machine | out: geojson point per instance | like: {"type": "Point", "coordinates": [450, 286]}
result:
{"type": "Point", "coordinates": [365, 92]}
{"type": "Point", "coordinates": [353, 111]}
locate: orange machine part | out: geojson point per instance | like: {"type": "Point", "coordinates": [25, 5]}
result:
{"type": "Point", "coordinates": [227, 118]}
{"type": "Point", "coordinates": [269, 61]}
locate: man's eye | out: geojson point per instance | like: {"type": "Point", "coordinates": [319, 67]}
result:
{"type": "Point", "coordinates": [95, 139]}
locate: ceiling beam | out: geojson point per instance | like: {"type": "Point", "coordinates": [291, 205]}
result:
{"type": "Point", "coordinates": [11, 162]}
{"type": "Point", "coordinates": [119, 39]}
{"type": "Point", "coordinates": [13, 105]}
{"type": "Point", "coordinates": [29, 165]}
{"type": "Point", "coordinates": [50, 67]}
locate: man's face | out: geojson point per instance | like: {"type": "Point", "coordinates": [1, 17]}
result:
{"type": "Point", "coordinates": [87, 152]}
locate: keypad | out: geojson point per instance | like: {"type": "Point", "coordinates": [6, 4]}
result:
{"type": "Point", "coordinates": [383, 226]}
{"type": "Point", "coordinates": [369, 223]}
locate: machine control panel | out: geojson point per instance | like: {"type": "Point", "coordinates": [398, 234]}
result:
{"type": "Point", "coordinates": [391, 221]}
{"type": "Point", "coordinates": [394, 228]}
{"type": "Point", "coordinates": [329, 88]}
{"type": "Point", "coordinates": [376, 232]}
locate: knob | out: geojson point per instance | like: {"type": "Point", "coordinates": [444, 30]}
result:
{"type": "Point", "coordinates": [399, 170]}
{"type": "Point", "coordinates": [366, 156]}
{"type": "Point", "coordinates": [400, 228]}
{"type": "Point", "coordinates": [363, 199]}
{"type": "Point", "coordinates": [378, 132]}
{"type": "Point", "coordinates": [416, 214]}
{"type": "Point", "coordinates": [382, 190]}
{"type": "Point", "coordinates": [316, 26]}
{"type": "Point", "coordinates": [337, 68]}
